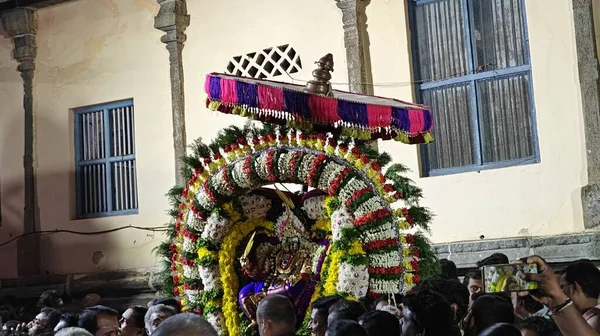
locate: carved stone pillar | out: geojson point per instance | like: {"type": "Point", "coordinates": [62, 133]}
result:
{"type": "Point", "coordinates": [356, 41]}
{"type": "Point", "coordinates": [587, 58]}
{"type": "Point", "coordinates": [172, 18]}
{"type": "Point", "coordinates": [21, 25]}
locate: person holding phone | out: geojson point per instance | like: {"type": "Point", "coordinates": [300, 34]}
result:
{"type": "Point", "coordinates": [564, 313]}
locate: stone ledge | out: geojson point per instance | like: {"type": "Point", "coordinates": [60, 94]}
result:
{"type": "Point", "coordinates": [106, 284]}
{"type": "Point", "coordinates": [555, 249]}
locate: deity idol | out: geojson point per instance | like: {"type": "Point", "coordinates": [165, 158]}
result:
{"type": "Point", "coordinates": [277, 267]}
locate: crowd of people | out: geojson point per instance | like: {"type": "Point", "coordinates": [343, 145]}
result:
{"type": "Point", "coordinates": [563, 304]}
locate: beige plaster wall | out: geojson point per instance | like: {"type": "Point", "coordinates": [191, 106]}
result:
{"type": "Point", "coordinates": [11, 157]}
{"type": "Point", "coordinates": [94, 51]}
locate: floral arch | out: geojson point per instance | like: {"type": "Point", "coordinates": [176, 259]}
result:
{"type": "Point", "coordinates": [364, 218]}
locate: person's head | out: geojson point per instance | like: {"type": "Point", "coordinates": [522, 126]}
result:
{"type": "Point", "coordinates": [100, 321]}
{"type": "Point", "coordinates": [156, 315]}
{"type": "Point", "coordinates": [132, 321]}
{"type": "Point", "coordinates": [494, 259]}
{"type": "Point", "coordinates": [488, 310]}
{"type": "Point", "coordinates": [46, 320]}
{"type": "Point", "coordinates": [67, 320]}
{"type": "Point", "coordinates": [171, 302]}
{"type": "Point", "coordinates": [453, 291]}
{"type": "Point", "coordinates": [380, 302]}
{"type": "Point", "coordinates": [345, 310]}
{"type": "Point", "coordinates": [426, 312]}
{"type": "Point", "coordinates": [581, 282]}
{"type": "Point", "coordinates": [275, 316]}
{"type": "Point", "coordinates": [185, 324]}
{"type": "Point", "coordinates": [73, 331]}
{"type": "Point", "coordinates": [501, 329]}
{"type": "Point", "coordinates": [345, 328]}
{"type": "Point", "coordinates": [91, 300]}
{"type": "Point", "coordinates": [538, 326]}
{"type": "Point", "coordinates": [448, 268]}
{"type": "Point", "coordinates": [473, 283]}
{"type": "Point", "coordinates": [51, 299]}
{"type": "Point", "coordinates": [319, 313]}
{"type": "Point", "coordinates": [379, 323]}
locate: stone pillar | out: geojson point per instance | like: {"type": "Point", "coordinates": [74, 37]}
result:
{"type": "Point", "coordinates": [172, 18]}
{"type": "Point", "coordinates": [21, 25]}
{"type": "Point", "coordinates": [587, 58]}
{"type": "Point", "coordinates": [356, 41]}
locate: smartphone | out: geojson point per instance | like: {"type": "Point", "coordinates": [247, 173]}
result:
{"type": "Point", "coordinates": [507, 278]}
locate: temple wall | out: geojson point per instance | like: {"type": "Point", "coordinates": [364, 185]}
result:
{"type": "Point", "coordinates": [97, 51]}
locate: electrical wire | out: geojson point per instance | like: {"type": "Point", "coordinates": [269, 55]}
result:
{"type": "Point", "coordinates": [83, 233]}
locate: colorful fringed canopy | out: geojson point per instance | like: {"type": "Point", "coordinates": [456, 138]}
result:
{"type": "Point", "coordinates": [359, 116]}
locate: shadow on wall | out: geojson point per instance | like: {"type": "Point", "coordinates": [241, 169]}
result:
{"type": "Point", "coordinates": [55, 197]}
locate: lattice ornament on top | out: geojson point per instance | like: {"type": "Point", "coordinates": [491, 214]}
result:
{"type": "Point", "coordinates": [266, 63]}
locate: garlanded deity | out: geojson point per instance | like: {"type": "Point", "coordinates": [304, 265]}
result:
{"type": "Point", "coordinates": [278, 266]}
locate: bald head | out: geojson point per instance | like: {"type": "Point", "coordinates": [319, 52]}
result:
{"type": "Point", "coordinates": [185, 325]}
{"type": "Point", "coordinates": [276, 314]}
{"type": "Point", "coordinates": [73, 331]}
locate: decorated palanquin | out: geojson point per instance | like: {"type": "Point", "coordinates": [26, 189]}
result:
{"type": "Point", "coordinates": [239, 235]}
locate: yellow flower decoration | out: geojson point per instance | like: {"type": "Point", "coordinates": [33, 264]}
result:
{"type": "Point", "coordinates": [359, 164]}
{"type": "Point", "coordinates": [328, 209]}
{"type": "Point", "coordinates": [329, 288]}
{"type": "Point", "coordinates": [408, 279]}
{"type": "Point", "coordinates": [356, 248]}
{"type": "Point", "coordinates": [227, 261]}
{"type": "Point", "coordinates": [329, 149]}
{"type": "Point", "coordinates": [234, 215]}
{"type": "Point", "coordinates": [323, 224]}
{"type": "Point", "coordinates": [204, 252]}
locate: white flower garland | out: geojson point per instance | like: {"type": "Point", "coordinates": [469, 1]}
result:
{"type": "Point", "coordinates": [190, 272]}
{"type": "Point", "coordinates": [215, 229]}
{"type": "Point", "coordinates": [194, 222]}
{"type": "Point", "coordinates": [387, 259]}
{"type": "Point", "coordinates": [188, 245]}
{"type": "Point", "coordinates": [341, 218]}
{"type": "Point", "coordinates": [193, 295]}
{"type": "Point", "coordinates": [240, 177]}
{"type": "Point", "coordinates": [353, 280]}
{"type": "Point", "coordinates": [204, 200]}
{"type": "Point", "coordinates": [284, 166]}
{"type": "Point", "coordinates": [381, 286]}
{"type": "Point", "coordinates": [219, 184]}
{"type": "Point", "coordinates": [210, 276]}
{"type": "Point", "coordinates": [217, 320]}
{"type": "Point", "coordinates": [291, 227]}
{"type": "Point", "coordinates": [386, 231]}
{"type": "Point", "coordinates": [330, 172]}
{"type": "Point", "coordinates": [261, 166]}
{"type": "Point", "coordinates": [350, 188]}
{"type": "Point", "coordinates": [256, 206]}
{"type": "Point", "coordinates": [316, 257]}
{"type": "Point", "coordinates": [371, 205]}
{"type": "Point", "coordinates": [305, 166]}
{"type": "Point", "coordinates": [315, 207]}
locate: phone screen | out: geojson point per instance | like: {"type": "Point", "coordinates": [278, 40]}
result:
{"type": "Point", "coordinates": [507, 278]}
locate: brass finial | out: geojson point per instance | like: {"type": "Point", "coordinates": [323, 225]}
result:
{"type": "Point", "coordinates": [321, 76]}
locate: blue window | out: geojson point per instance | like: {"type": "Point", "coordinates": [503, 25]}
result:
{"type": "Point", "coordinates": [105, 166]}
{"type": "Point", "coordinates": [473, 69]}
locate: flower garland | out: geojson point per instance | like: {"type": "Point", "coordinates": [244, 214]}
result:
{"type": "Point", "coordinates": [227, 262]}
{"type": "Point", "coordinates": [240, 160]}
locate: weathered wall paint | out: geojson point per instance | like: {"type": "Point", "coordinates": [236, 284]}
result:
{"type": "Point", "coordinates": [94, 51]}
